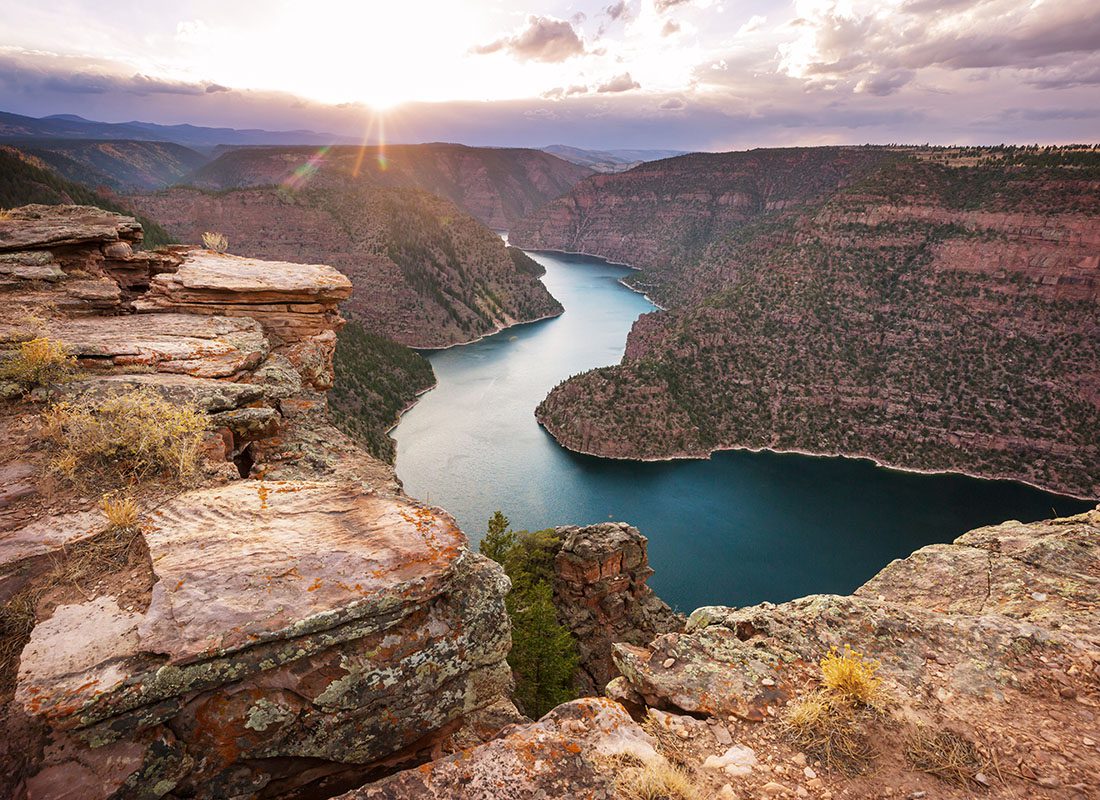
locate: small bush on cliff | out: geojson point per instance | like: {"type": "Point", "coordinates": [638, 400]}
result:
{"type": "Point", "coordinates": [832, 724]}
{"type": "Point", "coordinates": [124, 438]}
{"type": "Point", "coordinates": [543, 656]}
{"type": "Point", "coordinates": [215, 241]}
{"type": "Point", "coordinates": [39, 362]}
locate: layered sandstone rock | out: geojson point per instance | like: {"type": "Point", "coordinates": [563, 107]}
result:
{"type": "Point", "coordinates": [601, 595]}
{"type": "Point", "coordinates": [295, 304]}
{"type": "Point", "coordinates": [286, 637]}
{"type": "Point", "coordinates": [297, 634]}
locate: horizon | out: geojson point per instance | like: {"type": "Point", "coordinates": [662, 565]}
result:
{"type": "Point", "coordinates": [692, 75]}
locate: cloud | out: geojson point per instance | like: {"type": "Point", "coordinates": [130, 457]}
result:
{"type": "Point", "coordinates": [755, 23]}
{"type": "Point", "coordinates": [216, 87]}
{"type": "Point", "coordinates": [543, 39]}
{"type": "Point", "coordinates": [664, 5]}
{"type": "Point", "coordinates": [670, 27]}
{"type": "Point", "coordinates": [884, 83]}
{"type": "Point", "coordinates": [559, 92]}
{"type": "Point", "coordinates": [672, 104]}
{"type": "Point", "coordinates": [617, 10]}
{"type": "Point", "coordinates": [620, 83]}
{"type": "Point", "coordinates": [853, 41]}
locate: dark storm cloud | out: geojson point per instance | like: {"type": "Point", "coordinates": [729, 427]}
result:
{"type": "Point", "coordinates": [544, 39]}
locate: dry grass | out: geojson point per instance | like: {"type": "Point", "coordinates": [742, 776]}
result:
{"type": "Point", "coordinates": [124, 438]}
{"type": "Point", "coordinates": [5, 213]}
{"type": "Point", "coordinates": [669, 744]}
{"type": "Point", "coordinates": [655, 779]}
{"type": "Point", "coordinates": [945, 754]}
{"type": "Point", "coordinates": [833, 723]}
{"type": "Point", "coordinates": [850, 678]}
{"type": "Point", "coordinates": [121, 512]}
{"type": "Point", "coordinates": [39, 362]}
{"type": "Point", "coordinates": [215, 241]}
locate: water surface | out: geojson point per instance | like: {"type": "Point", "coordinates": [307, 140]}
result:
{"type": "Point", "coordinates": [733, 530]}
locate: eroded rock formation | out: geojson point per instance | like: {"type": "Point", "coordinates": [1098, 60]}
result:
{"type": "Point", "coordinates": [600, 592]}
{"type": "Point", "coordinates": [286, 636]}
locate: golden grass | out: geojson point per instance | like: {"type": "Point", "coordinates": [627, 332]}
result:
{"type": "Point", "coordinates": [833, 723]}
{"type": "Point", "coordinates": [655, 779]}
{"type": "Point", "coordinates": [851, 678]}
{"type": "Point", "coordinates": [121, 512]}
{"type": "Point", "coordinates": [668, 743]}
{"type": "Point", "coordinates": [124, 438]}
{"type": "Point", "coordinates": [215, 241]}
{"type": "Point", "coordinates": [946, 754]}
{"type": "Point", "coordinates": [39, 362]}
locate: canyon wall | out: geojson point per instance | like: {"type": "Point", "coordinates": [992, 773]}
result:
{"type": "Point", "coordinates": [855, 301]}
{"type": "Point", "coordinates": [425, 274]}
{"type": "Point", "coordinates": [283, 623]}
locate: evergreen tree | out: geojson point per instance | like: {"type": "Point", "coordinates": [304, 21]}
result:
{"type": "Point", "coordinates": [543, 656]}
{"type": "Point", "coordinates": [498, 539]}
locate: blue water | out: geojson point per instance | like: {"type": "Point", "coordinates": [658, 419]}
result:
{"type": "Point", "coordinates": [737, 529]}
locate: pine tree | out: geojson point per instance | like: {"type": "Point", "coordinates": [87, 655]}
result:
{"type": "Point", "coordinates": [498, 539]}
{"type": "Point", "coordinates": [543, 656]}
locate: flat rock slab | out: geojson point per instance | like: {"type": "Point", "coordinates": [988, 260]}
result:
{"type": "Point", "coordinates": [49, 226]}
{"type": "Point", "coordinates": [557, 757]}
{"type": "Point", "coordinates": [205, 276]}
{"type": "Point", "coordinates": [25, 551]}
{"type": "Point", "coordinates": [209, 394]}
{"type": "Point", "coordinates": [192, 344]}
{"type": "Point", "coordinates": [236, 566]}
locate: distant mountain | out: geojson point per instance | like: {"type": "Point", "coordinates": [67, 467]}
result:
{"type": "Point", "coordinates": [118, 165]}
{"type": "Point", "coordinates": [608, 160]}
{"type": "Point", "coordinates": [70, 126]}
{"type": "Point", "coordinates": [495, 184]}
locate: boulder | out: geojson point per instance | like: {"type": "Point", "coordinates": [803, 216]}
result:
{"type": "Point", "coordinates": [568, 753]}
{"type": "Point", "coordinates": [37, 226]}
{"type": "Point", "coordinates": [297, 634]}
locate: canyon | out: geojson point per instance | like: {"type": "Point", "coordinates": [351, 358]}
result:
{"type": "Point", "coordinates": [289, 624]}
{"type": "Point", "coordinates": [932, 310]}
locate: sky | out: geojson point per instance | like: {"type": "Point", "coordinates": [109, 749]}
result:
{"type": "Point", "coordinates": [682, 74]}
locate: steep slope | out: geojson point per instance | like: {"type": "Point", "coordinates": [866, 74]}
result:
{"type": "Point", "coordinates": [119, 165]}
{"type": "Point", "coordinates": [425, 273]}
{"type": "Point", "coordinates": [930, 310]}
{"type": "Point", "coordinates": [496, 185]}
{"type": "Point", "coordinates": [25, 178]}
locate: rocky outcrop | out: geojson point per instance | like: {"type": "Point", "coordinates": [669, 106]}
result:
{"type": "Point", "coordinates": [297, 635]}
{"type": "Point", "coordinates": [994, 637]}
{"type": "Point", "coordinates": [848, 301]}
{"type": "Point", "coordinates": [571, 752]}
{"type": "Point", "coordinates": [291, 635]}
{"type": "Point", "coordinates": [425, 273]}
{"type": "Point", "coordinates": [601, 595]}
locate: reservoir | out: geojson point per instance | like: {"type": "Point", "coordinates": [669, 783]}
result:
{"type": "Point", "coordinates": [737, 529]}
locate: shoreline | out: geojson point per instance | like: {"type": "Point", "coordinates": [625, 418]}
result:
{"type": "Point", "coordinates": [621, 281]}
{"type": "Point", "coordinates": [852, 456]}
{"type": "Point", "coordinates": [500, 329]}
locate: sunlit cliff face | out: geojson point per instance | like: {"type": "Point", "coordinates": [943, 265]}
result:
{"type": "Point", "coordinates": [719, 71]}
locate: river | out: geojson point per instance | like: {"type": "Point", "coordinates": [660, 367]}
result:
{"type": "Point", "coordinates": [736, 529]}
